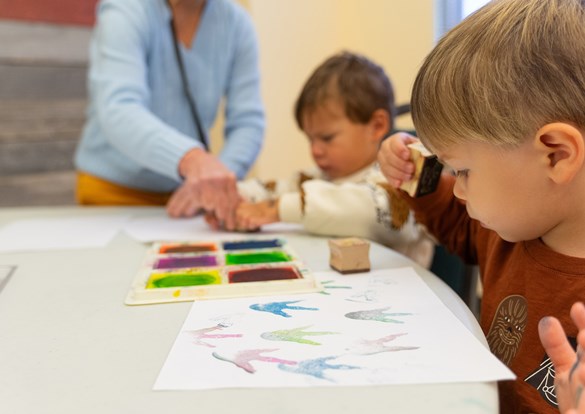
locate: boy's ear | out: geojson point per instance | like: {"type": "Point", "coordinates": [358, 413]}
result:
{"type": "Point", "coordinates": [564, 147]}
{"type": "Point", "coordinates": [380, 123]}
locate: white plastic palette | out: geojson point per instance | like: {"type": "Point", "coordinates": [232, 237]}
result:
{"type": "Point", "coordinates": [184, 271]}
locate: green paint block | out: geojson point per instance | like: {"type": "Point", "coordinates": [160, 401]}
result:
{"type": "Point", "coordinates": [184, 278]}
{"type": "Point", "coordinates": [257, 257]}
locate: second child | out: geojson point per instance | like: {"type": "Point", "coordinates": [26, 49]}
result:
{"type": "Point", "coordinates": [345, 110]}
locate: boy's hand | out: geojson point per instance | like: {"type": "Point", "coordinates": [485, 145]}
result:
{"type": "Point", "coordinates": [250, 216]}
{"type": "Point", "coordinates": [569, 366]}
{"type": "Point", "coordinates": [394, 158]}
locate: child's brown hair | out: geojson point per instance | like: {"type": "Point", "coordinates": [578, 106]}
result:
{"type": "Point", "coordinates": [503, 73]}
{"type": "Point", "coordinates": [358, 83]}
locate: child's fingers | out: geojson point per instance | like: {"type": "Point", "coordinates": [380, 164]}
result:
{"type": "Point", "coordinates": [577, 374]}
{"type": "Point", "coordinates": [578, 315]}
{"type": "Point", "coordinates": [395, 169]}
{"type": "Point", "coordinates": [579, 398]}
{"type": "Point", "coordinates": [397, 176]}
{"type": "Point", "coordinates": [581, 340]}
{"type": "Point", "coordinates": [399, 143]}
{"type": "Point", "coordinates": [556, 345]}
{"type": "Point", "coordinates": [246, 220]}
{"type": "Point", "coordinates": [254, 223]}
{"type": "Point", "coordinates": [562, 355]}
{"type": "Point", "coordinates": [241, 217]}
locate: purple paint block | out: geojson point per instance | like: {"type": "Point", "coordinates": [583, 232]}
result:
{"type": "Point", "coordinates": [185, 262]}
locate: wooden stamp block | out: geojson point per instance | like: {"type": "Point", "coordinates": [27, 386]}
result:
{"type": "Point", "coordinates": [426, 174]}
{"type": "Point", "coordinates": [351, 255]}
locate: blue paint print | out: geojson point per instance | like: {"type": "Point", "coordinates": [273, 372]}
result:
{"type": "Point", "coordinates": [316, 367]}
{"type": "Point", "coordinates": [379, 315]}
{"type": "Point", "coordinates": [278, 308]}
{"type": "Point", "coordinates": [252, 244]}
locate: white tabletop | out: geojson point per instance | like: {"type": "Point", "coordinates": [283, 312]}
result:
{"type": "Point", "coordinates": [68, 344]}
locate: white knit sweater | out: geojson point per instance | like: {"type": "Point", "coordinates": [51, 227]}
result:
{"type": "Point", "coordinates": [352, 206]}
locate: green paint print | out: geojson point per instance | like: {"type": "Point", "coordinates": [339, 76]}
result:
{"type": "Point", "coordinates": [185, 278]}
{"type": "Point", "coordinates": [257, 257]}
{"type": "Point", "coordinates": [295, 335]}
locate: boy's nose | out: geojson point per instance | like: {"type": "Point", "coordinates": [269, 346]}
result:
{"type": "Point", "coordinates": [317, 150]}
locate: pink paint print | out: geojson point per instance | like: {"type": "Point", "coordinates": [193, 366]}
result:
{"type": "Point", "coordinates": [200, 335]}
{"type": "Point", "coordinates": [243, 359]}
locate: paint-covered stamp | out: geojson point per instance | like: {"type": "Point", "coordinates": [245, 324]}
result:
{"type": "Point", "coordinates": [427, 171]}
{"type": "Point", "coordinates": [175, 271]}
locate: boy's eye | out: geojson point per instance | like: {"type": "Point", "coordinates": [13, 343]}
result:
{"type": "Point", "coordinates": [327, 138]}
{"type": "Point", "coordinates": [461, 173]}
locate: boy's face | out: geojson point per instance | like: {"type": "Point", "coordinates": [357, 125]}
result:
{"type": "Point", "coordinates": [504, 189]}
{"type": "Point", "coordinates": [339, 146]}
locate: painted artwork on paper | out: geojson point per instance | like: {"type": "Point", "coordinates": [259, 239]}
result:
{"type": "Point", "coordinates": [182, 271]}
{"type": "Point", "coordinates": [401, 334]}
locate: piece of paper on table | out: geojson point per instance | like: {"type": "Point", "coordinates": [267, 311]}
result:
{"type": "Point", "coordinates": [6, 272]}
{"type": "Point", "coordinates": [382, 327]}
{"type": "Point", "coordinates": [156, 228]}
{"type": "Point", "coordinates": [59, 233]}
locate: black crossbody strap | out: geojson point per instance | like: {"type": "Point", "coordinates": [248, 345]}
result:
{"type": "Point", "coordinates": [190, 100]}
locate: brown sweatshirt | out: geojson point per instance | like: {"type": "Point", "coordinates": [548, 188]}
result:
{"type": "Point", "coordinates": [522, 282]}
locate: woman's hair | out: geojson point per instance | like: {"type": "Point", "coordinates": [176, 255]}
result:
{"type": "Point", "coordinates": [501, 74]}
{"type": "Point", "coordinates": [360, 85]}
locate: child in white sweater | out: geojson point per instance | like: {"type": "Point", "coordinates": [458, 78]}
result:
{"type": "Point", "coordinates": [345, 109]}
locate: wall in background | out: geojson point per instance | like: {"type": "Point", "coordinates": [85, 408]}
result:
{"type": "Point", "coordinates": [74, 12]}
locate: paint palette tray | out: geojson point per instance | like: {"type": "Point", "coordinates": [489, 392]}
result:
{"type": "Point", "coordinates": [186, 271]}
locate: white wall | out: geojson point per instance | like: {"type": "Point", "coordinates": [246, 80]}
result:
{"type": "Point", "coordinates": [297, 35]}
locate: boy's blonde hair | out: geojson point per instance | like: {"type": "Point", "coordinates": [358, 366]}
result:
{"type": "Point", "coordinates": [361, 86]}
{"type": "Point", "coordinates": [503, 73]}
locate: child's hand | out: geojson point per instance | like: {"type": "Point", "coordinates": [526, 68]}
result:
{"type": "Point", "coordinates": [569, 366]}
{"type": "Point", "coordinates": [250, 216]}
{"type": "Point", "coordinates": [394, 158]}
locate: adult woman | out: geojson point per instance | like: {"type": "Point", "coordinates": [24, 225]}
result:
{"type": "Point", "coordinates": [144, 141]}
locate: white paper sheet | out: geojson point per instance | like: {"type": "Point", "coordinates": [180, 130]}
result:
{"type": "Point", "coordinates": [156, 228]}
{"type": "Point", "coordinates": [6, 272]}
{"type": "Point", "coordinates": [59, 233]}
{"type": "Point", "coordinates": [381, 327]}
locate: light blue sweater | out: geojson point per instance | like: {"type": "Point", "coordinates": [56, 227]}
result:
{"type": "Point", "coordinates": [138, 122]}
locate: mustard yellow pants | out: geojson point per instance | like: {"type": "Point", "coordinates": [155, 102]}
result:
{"type": "Point", "coordinates": [91, 190]}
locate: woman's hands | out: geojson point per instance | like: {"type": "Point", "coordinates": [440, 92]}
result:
{"type": "Point", "coordinates": [208, 186]}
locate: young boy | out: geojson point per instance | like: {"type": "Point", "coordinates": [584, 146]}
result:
{"type": "Point", "coordinates": [345, 109]}
{"type": "Point", "coordinates": [501, 100]}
